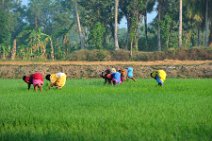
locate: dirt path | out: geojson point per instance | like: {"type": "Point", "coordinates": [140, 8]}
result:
{"type": "Point", "coordinates": [150, 63]}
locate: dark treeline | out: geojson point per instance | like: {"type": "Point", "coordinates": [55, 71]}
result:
{"type": "Point", "coordinates": [53, 29]}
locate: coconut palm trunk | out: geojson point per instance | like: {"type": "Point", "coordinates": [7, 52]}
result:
{"type": "Point", "coordinates": [158, 34]}
{"type": "Point", "coordinates": [81, 37]}
{"type": "Point", "coordinates": [180, 24]}
{"type": "Point", "coordinates": [13, 52]}
{"type": "Point", "coordinates": [206, 25]}
{"type": "Point", "coordinates": [36, 22]}
{"type": "Point", "coordinates": [210, 37]}
{"type": "Point", "coordinates": [116, 25]}
{"type": "Point", "coordinates": [146, 30]}
{"type": "Point", "coordinates": [198, 37]}
{"type": "Point", "coordinates": [131, 48]}
{"type": "Point", "coordinates": [52, 49]}
{"type": "Point", "coordinates": [128, 34]}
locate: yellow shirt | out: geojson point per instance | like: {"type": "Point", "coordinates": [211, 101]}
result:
{"type": "Point", "coordinates": [161, 74]}
{"type": "Point", "coordinates": [58, 79]}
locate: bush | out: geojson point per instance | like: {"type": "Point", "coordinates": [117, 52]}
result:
{"type": "Point", "coordinates": [120, 55]}
{"type": "Point", "coordinates": [182, 54]}
{"type": "Point", "coordinates": [103, 55]}
{"type": "Point", "coordinates": [200, 54]}
{"type": "Point", "coordinates": [80, 55]}
{"type": "Point", "coordinates": [144, 56]}
{"type": "Point", "coordinates": [123, 55]}
{"type": "Point", "coordinates": [90, 55]}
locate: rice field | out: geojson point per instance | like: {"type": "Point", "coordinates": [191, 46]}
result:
{"type": "Point", "coordinates": [87, 110]}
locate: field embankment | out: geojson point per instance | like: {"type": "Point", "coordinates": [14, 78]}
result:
{"type": "Point", "coordinates": [174, 68]}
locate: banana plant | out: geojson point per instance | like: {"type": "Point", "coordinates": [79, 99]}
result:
{"type": "Point", "coordinates": [38, 41]}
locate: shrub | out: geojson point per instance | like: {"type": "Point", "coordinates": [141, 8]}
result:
{"type": "Point", "coordinates": [120, 55]}
{"type": "Point", "coordinates": [90, 55]}
{"type": "Point", "coordinates": [123, 55]}
{"type": "Point", "coordinates": [80, 55]}
{"type": "Point", "coordinates": [144, 56]}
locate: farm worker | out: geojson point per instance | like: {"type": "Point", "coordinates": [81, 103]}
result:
{"type": "Point", "coordinates": [123, 74]}
{"type": "Point", "coordinates": [107, 76]}
{"type": "Point", "coordinates": [58, 80]}
{"type": "Point", "coordinates": [116, 78]}
{"type": "Point", "coordinates": [36, 79]}
{"type": "Point", "coordinates": [159, 76]}
{"type": "Point", "coordinates": [113, 70]}
{"type": "Point", "coordinates": [130, 73]}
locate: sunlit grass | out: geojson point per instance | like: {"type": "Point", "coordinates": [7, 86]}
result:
{"type": "Point", "coordinates": [88, 110]}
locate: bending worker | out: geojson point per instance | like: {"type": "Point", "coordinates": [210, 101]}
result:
{"type": "Point", "coordinates": [159, 76]}
{"type": "Point", "coordinates": [57, 80]}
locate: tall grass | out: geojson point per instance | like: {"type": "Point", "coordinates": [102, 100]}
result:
{"type": "Point", "coordinates": [88, 110]}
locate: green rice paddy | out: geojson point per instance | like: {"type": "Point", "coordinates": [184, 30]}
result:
{"type": "Point", "coordinates": [87, 110]}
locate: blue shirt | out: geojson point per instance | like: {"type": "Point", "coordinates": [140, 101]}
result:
{"type": "Point", "coordinates": [117, 77]}
{"type": "Point", "coordinates": [130, 72]}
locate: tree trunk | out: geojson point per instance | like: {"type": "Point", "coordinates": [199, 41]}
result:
{"type": "Point", "coordinates": [136, 43]}
{"type": "Point", "coordinates": [65, 44]}
{"type": "Point", "coordinates": [167, 42]}
{"type": "Point", "coordinates": [13, 52]}
{"type": "Point", "coordinates": [210, 40]}
{"type": "Point", "coordinates": [136, 37]}
{"type": "Point", "coordinates": [127, 40]}
{"type": "Point", "coordinates": [1, 52]}
{"type": "Point", "coordinates": [131, 49]}
{"type": "Point", "coordinates": [180, 24]}
{"type": "Point", "coordinates": [198, 37]}
{"type": "Point", "coordinates": [210, 37]}
{"type": "Point", "coordinates": [52, 49]}
{"type": "Point", "coordinates": [81, 37]}
{"type": "Point", "coordinates": [128, 34]}
{"type": "Point", "coordinates": [146, 30]}
{"type": "Point", "coordinates": [116, 25]}
{"type": "Point", "coordinates": [36, 23]}
{"type": "Point", "coordinates": [42, 47]}
{"type": "Point", "coordinates": [64, 40]}
{"type": "Point", "coordinates": [206, 24]}
{"type": "Point", "coordinates": [159, 18]}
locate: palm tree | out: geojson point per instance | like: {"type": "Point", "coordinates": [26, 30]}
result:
{"type": "Point", "coordinates": [180, 24]}
{"type": "Point", "coordinates": [159, 19]}
{"type": "Point", "coordinates": [149, 8]}
{"type": "Point", "coordinates": [206, 24]}
{"type": "Point", "coordinates": [146, 28]}
{"type": "Point", "coordinates": [81, 36]}
{"type": "Point", "coordinates": [13, 52]}
{"type": "Point", "coordinates": [116, 25]}
{"type": "Point", "coordinates": [38, 42]}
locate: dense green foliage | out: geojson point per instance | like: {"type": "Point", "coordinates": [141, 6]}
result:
{"type": "Point", "coordinates": [96, 36]}
{"type": "Point", "coordinates": [71, 25]}
{"type": "Point", "coordinates": [89, 110]}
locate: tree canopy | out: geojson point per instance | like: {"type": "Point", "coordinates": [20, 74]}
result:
{"type": "Point", "coordinates": [55, 28]}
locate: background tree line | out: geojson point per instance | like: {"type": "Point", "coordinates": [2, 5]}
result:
{"type": "Point", "coordinates": [50, 29]}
